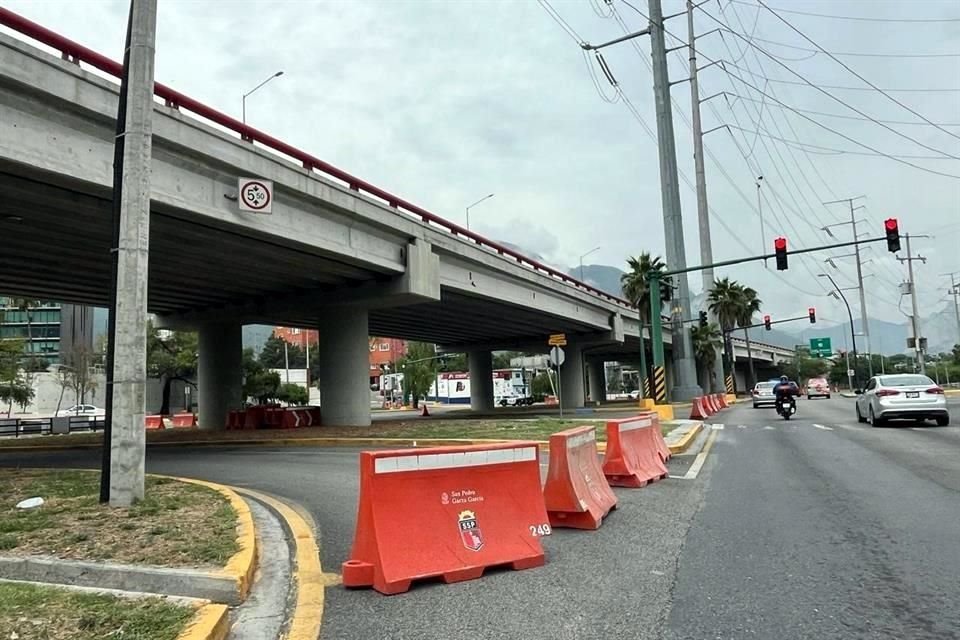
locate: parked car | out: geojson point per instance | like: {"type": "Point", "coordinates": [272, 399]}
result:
{"type": "Point", "coordinates": [763, 394]}
{"type": "Point", "coordinates": [818, 388]}
{"type": "Point", "coordinates": [635, 394]}
{"type": "Point", "coordinates": [81, 410]}
{"type": "Point", "coordinates": [906, 396]}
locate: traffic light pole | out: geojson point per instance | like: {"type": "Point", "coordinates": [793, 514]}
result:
{"type": "Point", "coordinates": [656, 323]}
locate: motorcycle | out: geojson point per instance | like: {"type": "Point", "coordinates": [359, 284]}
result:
{"type": "Point", "coordinates": [787, 407]}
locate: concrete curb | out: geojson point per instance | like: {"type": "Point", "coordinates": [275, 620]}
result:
{"type": "Point", "coordinates": [188, 583]}
{"type": "Point", "coordinates": [210, 622]}
{"type": "Point", "coordinates": [243, 564]}
{"type": "Point", "coordinates": [683, 442]}
{"type": "Point", "coordinates": [307, 616]}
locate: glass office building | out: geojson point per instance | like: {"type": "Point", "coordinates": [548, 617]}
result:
{"type": "Point", "coordinates": [51, 330]}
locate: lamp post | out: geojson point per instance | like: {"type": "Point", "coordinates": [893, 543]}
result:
{"type": "Point", "coordinates": [584, 256]}
{"type": "Point", "coordinates": [244, 99]}
{"type": "Point", "coordinates": [838, 293]}
{"type": "Point", "coordinates": [487, 197]}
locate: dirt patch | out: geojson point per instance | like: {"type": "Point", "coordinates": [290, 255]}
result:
{"type": "Point", "coordinates": [31, 612]}
{"type": "Point", "coordinates": [176, 525]}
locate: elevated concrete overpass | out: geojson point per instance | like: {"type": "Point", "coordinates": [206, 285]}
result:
{"type": "Point", "coordinates": [337, 253]}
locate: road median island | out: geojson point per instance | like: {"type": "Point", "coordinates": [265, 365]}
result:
{"type": "Point", "coordinates": [432, 432]}
{"type": "Point", "coordinates": [184, 539]}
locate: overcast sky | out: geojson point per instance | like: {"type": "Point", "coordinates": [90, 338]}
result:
{"type": "Point", "coordinates": [445, 102]}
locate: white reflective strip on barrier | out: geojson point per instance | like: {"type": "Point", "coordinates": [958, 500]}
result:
{"type": "Point", "coordinates": [635, 424]}
{"type": "Point", "coordinates": [579, 440]}
{"type": "Point", "coordinates": [430, 461]}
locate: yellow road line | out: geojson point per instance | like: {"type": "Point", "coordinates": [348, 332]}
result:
{"type": "Point", "coordinates": [307, 615]}
{"type": "Point", "coordinates": [210, 622]}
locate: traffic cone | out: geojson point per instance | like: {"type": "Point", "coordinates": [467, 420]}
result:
{"type": "Point", "coordinates": [423, 411]}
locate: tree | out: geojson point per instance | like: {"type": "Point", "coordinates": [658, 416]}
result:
{"type": "Point", "coordinates": [74, 373]}
{"type": "Point", "coordinates": [725, 301]}
{"type": "Point", "coordinates": [750, 305]}
{"type": "Point", "coordinates": [171, 356]}
{"type": "Point", "coordinates": [14, 387]}
{"type": "Point", "coordinates": [292, 394]}
{"type": "Point", "coordinates": [706, 341]}
{"type": "Point", "coordinates": [272, 355]}
{"type": "Point", "coordinates": [453, 362]}
{"type": "Point", "coordinates": [501, 359]}
{"type": "Point", "coordinates": [636, 283]}
{"type": "Point", "coordinates": [805, 366]}
{"type": "Point", "coordinates": [419, 368]}
{"type": "Point", "coordinates": [27, 305]}
{"type": "Point", "coordinates": [258, 383]}
{"type": "Point", "coordinates": [956, 354]}
{"type": "Point", "coordinates": [545, 384]}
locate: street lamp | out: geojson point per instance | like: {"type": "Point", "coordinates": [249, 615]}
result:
{"type": "Point", "coordinates": [487, 197]}
{"type": "Point", "coordinates": [838, 293]}
{"type": "Point", "coordinates": [244, 99]}
{"type": "Point", "coordinates": [584, 256]}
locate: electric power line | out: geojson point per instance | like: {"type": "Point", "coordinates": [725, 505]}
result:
{"type": "Point", "coordinates": [853, 54]}
{"type": "Point", "coordinates": [857, 18]}
{"type": "Point", "coordinates": [858, 118]}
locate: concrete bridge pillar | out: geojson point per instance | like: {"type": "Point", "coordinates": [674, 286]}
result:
{"type": "Point", "coordinates": [219, 373]}
{"type": "Point", "coordinates": [481, 380]}
{"type": "Point", "coordinates": [571, 377]}
{"type": "Point", "coordinates": [343, 354]}
{"type": "Point", "coordinates": [597, 380]}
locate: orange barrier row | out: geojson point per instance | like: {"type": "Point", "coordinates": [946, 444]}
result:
{"type": "Point", "coordinates": [273, 417]}
{"type": "Point", "coordinates": [447, 513]}
{"type": "Point", "coordinates": [633, 456]}
{"type": "Point", "coordinates": [705, 406]}
{"type": "Point", "coordinates": [576, 493]}
{"type": "Point", "coordinates": [183, 420]}
{"type": "Point", "coordinates": [153, 422]}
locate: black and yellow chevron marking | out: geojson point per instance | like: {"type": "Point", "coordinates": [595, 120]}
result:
{"type": "Point", "coordinates": [729, 384]}
{"type": "Point", "coordinates": [646, 387]}
{"type": "Point", "coordinates": [660, 385]}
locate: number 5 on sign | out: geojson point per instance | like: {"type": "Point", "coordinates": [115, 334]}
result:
{"type": "Point", "coordinates": [255, 195]}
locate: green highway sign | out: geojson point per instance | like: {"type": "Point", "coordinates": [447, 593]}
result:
{"type": "Point", "coordinates": [821, 347]}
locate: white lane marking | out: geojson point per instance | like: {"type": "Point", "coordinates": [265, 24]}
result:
{"type": "Point", "coordinates": [717, 426]}
{"type": "Point", "coordinates": [769, 428]}
{"type": "Point", "coordinates": [741, 426]}
{"type": "Point", "coordinates": [825, 428]}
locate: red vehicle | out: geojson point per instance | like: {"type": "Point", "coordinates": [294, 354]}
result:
{"type": "Point", "coordinates": [818, 388]}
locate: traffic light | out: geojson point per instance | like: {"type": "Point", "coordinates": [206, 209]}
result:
{"type": "Point", "coordinates": [666, 289]}
{"type": "Point", "coordinates": [892, 228]}
{"type": "Point", "coordinates": [813, 315]}
{"type": "Point", "coordinates": [766, 322]}
{"type": "Point", "coordinates": [703, 318]}
{"type": "Point", "coordinates": [780, 248]}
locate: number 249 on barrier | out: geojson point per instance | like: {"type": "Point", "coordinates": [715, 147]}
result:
{"type": "Point", "coordinates": [538, 530]}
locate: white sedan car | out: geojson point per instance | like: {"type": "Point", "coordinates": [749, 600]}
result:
{"type": "Point", "coordinates": [905, 396]}
{"type": "Point", "coordinates": [81, 410]}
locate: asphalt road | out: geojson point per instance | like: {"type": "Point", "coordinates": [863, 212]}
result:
{"type": "Point", "coordinates": [824, 528]}
{"type": "Point", "coordinates": [791, 530]}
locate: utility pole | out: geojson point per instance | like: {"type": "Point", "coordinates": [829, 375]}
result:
{"type": "Point", "coordinates": [684, 365]}
{"type": "Point", "coordinates": [703, 212]}
{"type": "Point", "coordinates": [131, 252]}
{"type": "Point", "coordinates": [955, 291]}
{"type": "Point", "coordinates": [763, 233]}
{"type": "Point", "coordinates": [863, 300]}
{"type": "Point", "coordinates": [915, 319]}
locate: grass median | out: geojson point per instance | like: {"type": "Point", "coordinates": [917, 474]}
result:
{"type": "Point", "coordinates": [414, 428]}
{"type": "Point", "coordinates": [29, 612]}
{"type": "Point", "coordinates": [175, 525]}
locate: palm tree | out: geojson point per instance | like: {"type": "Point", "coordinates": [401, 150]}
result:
{"type": "Point", "coordinates": [706, 341]}
{"type": "Point", "coordinates": [635, 282]}
{"type": "Point", "coordinates": [724, 301]}
{"type": "Point", "coordinates": [749, 305]}
{"type": "Point", "coordinates": [636, 288]}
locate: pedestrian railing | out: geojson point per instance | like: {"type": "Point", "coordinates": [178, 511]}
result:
{"type": "Point", "coordinates": [16, 427]}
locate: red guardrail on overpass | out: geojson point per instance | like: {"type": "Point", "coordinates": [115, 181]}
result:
{"type": "Point", "coordinates": [77, 53]}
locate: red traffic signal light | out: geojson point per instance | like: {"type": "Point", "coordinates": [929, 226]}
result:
{"type": "Point", "coordinates": [813, 314]}
{"type": "Point", "coordinates": [892, 229]}
{"type": "Point", "coordinates": [780, 249]}
{"type": "Point", "coordinates": [766, 322]}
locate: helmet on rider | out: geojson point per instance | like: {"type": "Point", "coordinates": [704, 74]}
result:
{"type": "Point", "coordinates": [784, 379]}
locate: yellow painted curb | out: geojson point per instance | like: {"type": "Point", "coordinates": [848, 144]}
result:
{"type": "Point", "coordinates": [243, 564]}
{"type": "Point", "coordinates": [684, 443]}
{"type": "Point", "coordinates": [731, 398]}
{"type": "Point", "coordinates": [665, 411]}
{"type": "Point", "coordinates": [210, 622]}
{"type": "Point", "coordinates": [307, 614]}
{"type": "Point", "coordinates": [647, 403]}
{"type": "Point", "coordinates": [951, 392]}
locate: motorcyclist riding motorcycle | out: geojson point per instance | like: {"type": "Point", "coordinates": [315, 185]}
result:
{"type": "Point", "coordinates": [785, 390]}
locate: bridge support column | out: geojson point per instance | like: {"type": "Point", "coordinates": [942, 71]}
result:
{"type": "Point", "coordinates": [571, 377]}
{"type": "Point", "coordinates": [597, 379]}
{"type": "Point", "coordinates": [343, 354]}
{"type": "Point", "coordinates": [219, 374]}
{"type": "Point", "coordinates": [481, 380]}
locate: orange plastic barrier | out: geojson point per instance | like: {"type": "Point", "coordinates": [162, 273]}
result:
{"type": "Point", "coordinates": [181, 420]}
{"type": "Point", "coordinates": [722, 400]}
{"type": "Point", "coordinates": [446, 512]}
{"type": "Point", "coordinates": [273, 418]}
{"type": "Point", "coordinates": [697, 410]}
{"type": "Point", "coordinates": [236, 420]}
{"type": "Point", "coordinates": [576, 493]}
{"type": "Point", "coordinates": [658, 440]}
{"type": "Point", "coordinates": [633, 458]}
{"type": "Point", "coordinates": [153, 422]}
{"type": "Point", "coordinates": [710, 405]}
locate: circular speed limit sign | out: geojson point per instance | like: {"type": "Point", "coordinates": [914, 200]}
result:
{"type": "Point", "coordinates": [255, 195]}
